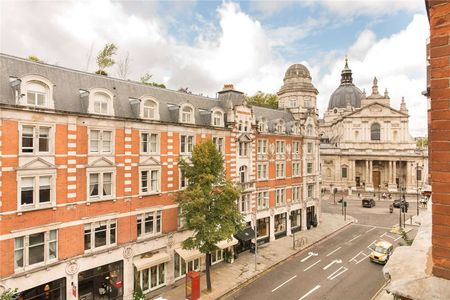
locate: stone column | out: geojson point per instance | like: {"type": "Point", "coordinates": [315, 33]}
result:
{"type": "Point", "coordinates": [272, 226]}
{"type": "Point", "coordinates": [366, 177]}
{"type": "Point", "coordinates": [288, 221]}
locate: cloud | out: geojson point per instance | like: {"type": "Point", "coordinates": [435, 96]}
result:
{"type": "Point", "coordinates": [398, 62]}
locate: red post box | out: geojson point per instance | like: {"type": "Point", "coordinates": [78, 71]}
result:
{"type": "Point", "coordinates": [193, 285]}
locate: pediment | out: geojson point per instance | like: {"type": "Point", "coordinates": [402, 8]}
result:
{"type": "Point", "coordinates": [38, 163]}
{"type": "Point", "coordinates": [102, 162]}
{"type": "Point", "coordinates": [376, 109]}
{"type": "Point", "coordinates": [244, 138]}
{"type": "Point", "coordinates": [151, 161]}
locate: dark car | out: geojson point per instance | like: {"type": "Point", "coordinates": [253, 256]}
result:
{"type": "Point", "coordinates": [368, 202]}
{"type": "Point", "coordinates": [399, 202]}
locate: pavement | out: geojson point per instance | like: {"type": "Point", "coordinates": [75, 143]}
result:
{"type": "Point", "coordinates": [226, 278]}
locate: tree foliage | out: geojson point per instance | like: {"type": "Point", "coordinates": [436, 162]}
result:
{"type": "Point", "coordinates": [422, 142]}
{"type": "Point", "coordinates": [208, 204]}
{"type": "Point", "coordinates": [34, 58]}
{"type": "Point", "coordinates": [263, 99]}
{"type": "Point", "coordinates": [105, 58]}
{"type": "Point", "coordinates": [8, 294]}
{"type": "Point", "coordinates": [146, 80]}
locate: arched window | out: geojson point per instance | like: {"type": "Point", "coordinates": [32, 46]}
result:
{"type": "Point", "coordinates": [217, 118]}
{"type": "Point", "coordinates": [187, 114]}
{"type": "Point", "coordinates": [101, 103]}
{"type": "Point", "coordinates": [243, 174]}
{"type": "Point", "coordinates": [280, 127]}
{"type": "Point", "coordinates": [375, 132]}
{"type": "Point", "coordinates": [150, 108]}
{"type": "Point", "coordinates": [37, 93]}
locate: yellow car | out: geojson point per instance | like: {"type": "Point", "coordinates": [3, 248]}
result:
{"type": "Point", "coordinates": [381, 252]}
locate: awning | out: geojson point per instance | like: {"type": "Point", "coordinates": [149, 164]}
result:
{"type": "Point", "coordinates": [245, 235]}
{"type": "Point", "coordinates": [189, 255]}
{"type": "Point", "coordinates": [227, 243]}
{"type": "Point", "coordinates": [155, 259]}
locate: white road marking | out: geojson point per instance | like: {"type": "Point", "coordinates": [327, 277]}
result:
{"type": "Point", "coordinates": [331, 263]}
{"type": "Point", "coordinates": [334, 273]}
{"type": "Point", "coordinates": [333, 251]}
{"type": "Point", "coordinates": [370, 229]}
{"type": "Point", "coordinates": [309, 255]}
{"type": "Point", "coordinates": [311, 266]}
{"type": "Point", "coordinates": [360, 260]}
{"type": "Point", "coordinates": [311, 291]}
{"type": "Point", "coordinates": [283, 283]}
{"type": "Point", "coordinates": [354, 238]}
{"type": "Point", "coordinates": [341, 272]}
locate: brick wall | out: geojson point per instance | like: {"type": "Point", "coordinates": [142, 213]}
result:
{"type": "Point", "coordinates": [439, 133]}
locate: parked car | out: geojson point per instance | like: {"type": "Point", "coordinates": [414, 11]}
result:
{"type": "Point", "coordinates": [381, 252]}
{"type": "Point", "coordinates": [368, 202]}
{"type": "Point", "coordinates": [399, 202]}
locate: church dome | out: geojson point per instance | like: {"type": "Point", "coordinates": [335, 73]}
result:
{"type": "Point", "coordinates": [297, 71]}
{"type": "Point", "coordinates": [347, 94]}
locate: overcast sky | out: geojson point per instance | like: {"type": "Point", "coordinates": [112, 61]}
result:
{"type": "Point", "coordinates": [205, 44]}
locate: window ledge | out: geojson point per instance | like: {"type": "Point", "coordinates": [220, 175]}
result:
{"type": "Point", "coordinates": [150, 194]}
{"type": "Point", "coordinates": [35, 267]}
{"type": "Point", "coordinates": [24, 210]}
{"type": "Point", "coordinates": [91, 201]}
{"type": "Point", "coordinates": [149, 237]}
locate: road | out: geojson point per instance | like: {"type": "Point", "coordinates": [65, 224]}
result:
{"type": "Point", "coordinates": [336, 268]}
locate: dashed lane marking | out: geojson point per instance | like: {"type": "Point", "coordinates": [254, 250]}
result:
{"type": "Point", "coordinates": [354, 238]}
{"type": "Point", "coordinates": [311, 266]}
{"type": "Point", "coordinates": [338, 272]}
{"type": "Point", "coordinates": [310, 292]}
{"type": "Point", "coordinates": [371, 229]}
{"type": "Point", "coordinates": [333, 251]}
{"type": "Point", "coordinates": [283, 283]}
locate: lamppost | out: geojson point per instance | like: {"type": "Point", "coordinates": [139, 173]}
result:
{"type": "Point", "coordinates": [417, 185]}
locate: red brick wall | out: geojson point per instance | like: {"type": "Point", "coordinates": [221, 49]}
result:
{"type": "Point", "coordinates": [439, 133]}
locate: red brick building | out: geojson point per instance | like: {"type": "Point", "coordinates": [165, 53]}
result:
{"type": "Point", "coordinates": [89, 171]}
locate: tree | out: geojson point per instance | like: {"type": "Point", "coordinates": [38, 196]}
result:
{"type": "Point", "coordinates": [123, 66]}
{"type": "Point", "coordinates": [104, 58]}
{"type": "Point", "coordinates": [8, 294]}
{"type": "Point", "coordinates": [263, 99]}
{"type": "Point", "coordinates": [208, 204]}
{"type": "Point", "coordinates": [34, 58]}
{"type": "Point", "coordinates": [146, 80]}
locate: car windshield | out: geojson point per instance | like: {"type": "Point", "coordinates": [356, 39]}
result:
{"type": "Point", "coordinates": [380, 249]}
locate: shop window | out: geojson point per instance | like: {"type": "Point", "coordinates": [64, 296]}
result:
{"type": "Point", "coordinates": [152, 278]}
{"type": "Point", "coordinates": [262, 199]}
{"type": "Point", "coordinates": [149, 223]}
{"type": "Point", "coordinates": [149, 143]}
{"type": "Point", "coordinates": [36, 139]}
{"type": "Point", "coordinates": [150, 181]}
{"type": "Point", "coordinates": [375, 132]}
{"type": "Point", "coordinates": [262, 226]}
{"type": "Point", "coordinates": [262, 147]}
{"type": "Point", "coordinates": [101, 185]}
{"type": "Point", "coordinates": [181, 267]}
{"type": "Point", "coordinates": [218, 141]}
{"type": "Point", "coordinates": [100, 234]}
{"type": "Point", "coordinates": [102, 282]}
{"type": "Point", "coordinates": [100, 141]}
{"type": "Point", "coordinates": [295, 169]}
{"type": "Point", "coordinates": [216, 256]}
{"type": "Point", "coordinates": [280, 223]}
{"type": "Point", "coordinates": [280, 196]}
{"type": "Point", "coordinates": [281, 170]}
{"type": "Point", "coordinates": [186, 144]}
{"type": "Point", "coordinates": [36, 191]}
{"type": "Point", "coordinates": [35, 249]}
{"type": "Point", "coordinates": [295, 218]}
{"type": "Point", "coordinates": [53, 290]}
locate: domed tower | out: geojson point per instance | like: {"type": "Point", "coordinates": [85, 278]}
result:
{"type": "Point", "coordinates": [298, 94]}
{"type": "Point", "coordinates": [347, 94]}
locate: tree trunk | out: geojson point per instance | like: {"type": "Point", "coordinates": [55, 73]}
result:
{"type": "Point", "coordinates": [208, 271]}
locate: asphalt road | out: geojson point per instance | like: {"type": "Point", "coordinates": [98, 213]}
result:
{"type": "Point", "coordinates": [336, 268]}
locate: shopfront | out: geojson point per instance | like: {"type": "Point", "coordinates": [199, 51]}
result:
{"type": "Point", "coordinates": [244, 237]}
{"type": "Point", "coordinates": [225, 251]}
{"type": "Point", "coordinates": [263, 230]}
{"type": "Point", "coordinates": [296, 220]}
{"type": "Point", "coordinates": [186, 261]}
{"type": "Point", "coordinates": [310, 216]}
{"type": "Point", "coordinates": [102, 283]}
{"type": "Point", "coordinates": [54, 290]}
{"type": "Point", "coordinates": [280, 225]}
{"type": "Point", "coordinates": [150, 271]}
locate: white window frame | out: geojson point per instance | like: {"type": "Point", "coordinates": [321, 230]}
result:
{"type": "Point", "coordinates": [310, 191]}
{"type": "Point", "coordinates": [262, 171]}
{"type": "Point", "coordinates": [280, 196]}
{"type": "Point", "coordinates": [109, 103]}
{"type": "Point", "coordinates": [280, 170]}
{"type": "Point", "coordinates": [296, 193]}
{"type": "Point", "coordinates": [36, 137]}
{"type": "Point", "coordinates": [144, 108]}
{"type": "Point", "coordinates": [101, 172]}
{"type": "Point", "coordinates": [186, 181]}
{"type": "Point", "coordinates": [243, 174]}
{"type": "Point", "coordinates": [262, 199]}
{"type": "Point", "coordinates": [296, 169]}
{"type": "Point", "coordinates": [295, 147]}
{"type": "Point", "coordinates": [100, 141]}
{"type": "Point", "coordinates": [262, 146]}
{"type": "Point", "coordinates": [308, 169]}
{"type": "Point", "coordinates": [310, 148]}
{"type": "Point", "coordinates": [243, 149]}
{"type": "Point", "coordinates": [155, 214]}
{"type": "Point", "coordinates": [187, 117]}
{"type": "Point", "coordinates": [36, 174]}
{"type": "Point", "coordinates": [149, 144]}
{"type": "Point", "coordinates": [217, 118]}
{"type": "Point", "coordinates": [219, 141]}
{"type": "Point", "coordinates": [188, 146]}
{"type": "Point", "coordinates": [159, 285]}
{"type": "Point", "coordinates": [46, 84]}
{"type": "Point", "coordinates": [25, 249]}
{"type": "Point", "coordinates": [92, 226]}
{"type": "Point", "coordinates": [149, 180]}
{"type": "Point", "coordinates": [245, 203]}
{"type": "Point", "coordinates": [280, 147]}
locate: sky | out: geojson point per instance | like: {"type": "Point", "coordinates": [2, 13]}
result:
{"type": "Point", "coordinates": [203, 45]}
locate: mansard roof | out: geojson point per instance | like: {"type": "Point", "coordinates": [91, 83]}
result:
{"type": "Point", "coordinates": [272, 114]}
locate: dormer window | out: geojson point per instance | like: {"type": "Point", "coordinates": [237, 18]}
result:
{"type": "Point", "coordinates": [217, 118]}
{"type": "Point", "coordinates": [36, 91]}
{"type": "Point", "coordinates": [150, 109]}
{"type": "Point", "coordinates": [280, 127]}
{"type": "Point", "coordinates": [187, 114]}
{"type": "Point", "coordinates": [262, 125]}
{"type": "Point", "coordinates": [101, 102]}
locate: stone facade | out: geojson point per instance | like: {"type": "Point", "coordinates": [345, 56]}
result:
{"type": "Point", "coordinates": [366, 145]}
